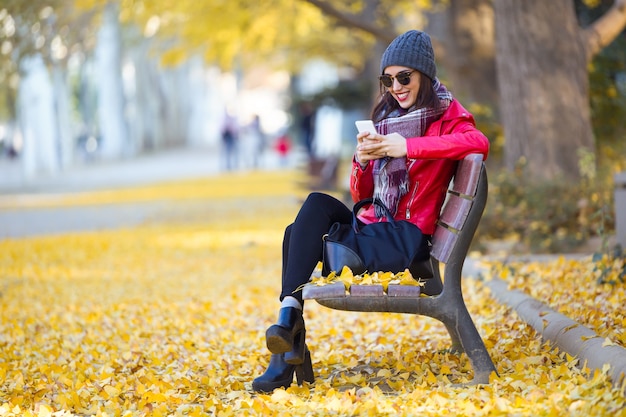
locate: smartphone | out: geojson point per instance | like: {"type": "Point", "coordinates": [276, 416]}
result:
{"type": "Point", "coordinates": [365, 126]}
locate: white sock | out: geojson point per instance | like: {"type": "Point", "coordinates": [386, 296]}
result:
{"type": "Point", "coordinates": [289, 301]}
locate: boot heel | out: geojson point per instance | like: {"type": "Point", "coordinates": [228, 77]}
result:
{"type": "Point", "coordinates": [296, 355]}
{"type": "Point", "coordinates": [280, 336]}
{"type": "Point", "coordinates": [304, 371]}
{"type": "Point", "coordinates": [277, 339]}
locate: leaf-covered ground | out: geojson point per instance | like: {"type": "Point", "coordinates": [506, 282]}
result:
{"type": "Point", "coordinates": [590, 292]}
{"type": "Point", "coordinates": [169, 319]}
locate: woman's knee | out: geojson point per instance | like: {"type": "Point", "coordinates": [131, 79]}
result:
{"type": "Point", "coordinates": [321, 201]}
{"type": "Point", "coordinates": [315, 204]}
{"type": "Point", "coordinates": [316, 198]}
{"type": "Point", "coordinates": [319, 205]}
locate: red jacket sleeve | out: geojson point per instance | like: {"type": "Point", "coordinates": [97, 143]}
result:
{"type": "Point", "coordinates": [454, 136]}
{"type": "Point", "coordinates": [361, 181]}
{"type": "Point", "coordinates": [465, 140]}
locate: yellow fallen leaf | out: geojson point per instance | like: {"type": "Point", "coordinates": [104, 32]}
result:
{"type": "Point", "coordinates": [280, 396]}
{"type": "Point", "coordinates": [430, 377]}
{"type": "Point", "coordinates": [384, 373]}
{"type": "Point", "coordinates": [44, 411]}
{"type": "Point", "coordinates": [172, 317]}
{"type": "Point", "coordinates": [608, 342]}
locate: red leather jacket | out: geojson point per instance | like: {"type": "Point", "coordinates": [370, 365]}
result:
{"type": "Point", "coordinates": [431, 161]}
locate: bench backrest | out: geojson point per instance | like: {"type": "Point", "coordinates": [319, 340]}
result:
{"type": "Point", "coordinates": [462, 194]}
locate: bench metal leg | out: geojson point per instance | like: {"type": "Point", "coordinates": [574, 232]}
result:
{"type": "Point", "coordinates": [465, 331]}
{"type": "Point", "coordinates": [457, 346]}
{"type": "Point", "coordinates": [449, 308]}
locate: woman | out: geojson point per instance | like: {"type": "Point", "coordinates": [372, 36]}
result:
{"type": "Point", "coordinates": [422, 132]}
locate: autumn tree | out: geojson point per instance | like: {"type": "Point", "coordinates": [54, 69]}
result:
{"type": "Point", "coordinates": [239, 36]}
{"type": "Point", "coordinates": [32, 32]}
{"type": "Point", "coordinates": [542, 54]}
{"type": "Point", "coordinates": [542, 62]}
{"type": "Point", "coordinates": [465, 48]}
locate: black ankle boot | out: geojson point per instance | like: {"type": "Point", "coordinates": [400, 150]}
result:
{"type": "Point", "coordinates": [280, 374]}
{"type": "Point", "coordinates": [280, 336]}
{"type": "Point", "coordinates": [296, 355]}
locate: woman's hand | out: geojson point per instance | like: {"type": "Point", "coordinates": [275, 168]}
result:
{"type": "Point", "coordinates": [372, 146]}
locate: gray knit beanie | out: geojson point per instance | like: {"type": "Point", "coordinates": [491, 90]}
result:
{"type": "Point", "coordinates": [412, 49]}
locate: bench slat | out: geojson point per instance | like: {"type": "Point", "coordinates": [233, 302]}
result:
{"type": "Point", "coordinates": [467, 175]}
{"type": "Point", "coordinates": [443, 243]}
{"type": "Point", "coordinates": [396, 290]}
{"type": "Point", "coordinates": [335, 290]}
{"type": "Point", "coordinates": [455, 211]}
{"type": "Point", "coordinates": [367, 290]}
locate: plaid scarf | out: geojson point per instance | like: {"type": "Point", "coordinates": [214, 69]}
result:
{"type": "Point", "coordinates": [391, 177]}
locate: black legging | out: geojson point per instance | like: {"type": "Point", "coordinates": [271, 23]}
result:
{"type": "Point", "coordinates": [302, 244]}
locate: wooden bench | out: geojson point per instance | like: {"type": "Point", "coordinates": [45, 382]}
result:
{"type": "Point", "coordinates": [457, 224]}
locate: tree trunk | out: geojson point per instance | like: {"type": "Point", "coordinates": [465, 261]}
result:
{"type": "Point", "coordinates": [37, 121]}
{"type": "Point", "coordinates": [542, 77]}
{"type": "Point", "coordinates": [465, 31]}
{"type": "Point", "coordinates": [200, 92]}
{"type": "Point", "coordinates": [146, 102]}
{"type": "Point", "coordinates": [110, 88]}
{"type": "Point", "coordinates": [175, 109]}
{"type": "Point", "coordinates": [62, 108]}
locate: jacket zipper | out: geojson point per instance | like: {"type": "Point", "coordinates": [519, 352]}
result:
{"type": "Point", "coordinates": [407, 213]}
{"type": "Point", "coordinates": [410, 202]}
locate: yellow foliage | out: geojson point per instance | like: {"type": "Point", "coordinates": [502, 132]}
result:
{"type": "Point", "coordinates": [384, 278]}
{"type": "Point", "coordinates": [169, 319]}
{"type": "Point", "coordinates": [245, 34]}
{"type": "Point", "coordinates": [571, 287]}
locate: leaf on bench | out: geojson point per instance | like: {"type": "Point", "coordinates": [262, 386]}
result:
{"type": "Point", "coordinates": [337, 290]}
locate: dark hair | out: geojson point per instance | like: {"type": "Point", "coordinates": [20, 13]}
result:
{"type": "Point", "coordinates": [426, 97]}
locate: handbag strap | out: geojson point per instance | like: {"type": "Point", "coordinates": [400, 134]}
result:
{"type": "Point", "coordinates": [372, 200]}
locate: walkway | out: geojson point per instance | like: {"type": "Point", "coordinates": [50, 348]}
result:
{"type": "Point", "coordinates": [170, 165]}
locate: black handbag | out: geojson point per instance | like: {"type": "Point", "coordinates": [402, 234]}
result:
{"type": "Point", "coordinates": [390, 246]}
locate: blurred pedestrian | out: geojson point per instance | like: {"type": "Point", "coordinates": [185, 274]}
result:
{"type": "Point", "coordinates": [230, 135]}
{"type": "Point", "coordinates": [283, 147]}
{"type": "Point", "coordinates": [253, 146]}
{"type": "Point", "coordinates": [307, 127]}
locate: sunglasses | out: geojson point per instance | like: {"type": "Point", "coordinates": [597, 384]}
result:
{"type": "Point", "coordinates": [403, 78]}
